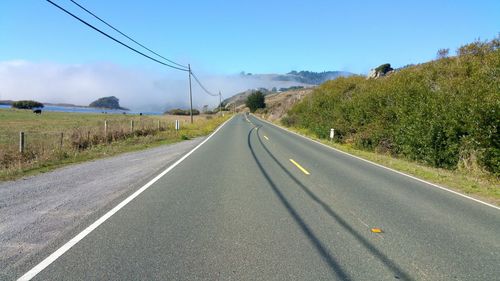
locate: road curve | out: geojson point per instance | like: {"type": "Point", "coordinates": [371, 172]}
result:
{"type": "Point", "coordinates": [258, 203]}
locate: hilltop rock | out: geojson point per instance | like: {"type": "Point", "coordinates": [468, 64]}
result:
{"type": "Point", "coordinates": [380, 71]}
{"type": "Point", "coordinates": [108, 103]}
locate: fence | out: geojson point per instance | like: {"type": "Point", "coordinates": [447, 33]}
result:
{"type": "Point", "coordinates": [17, 148]}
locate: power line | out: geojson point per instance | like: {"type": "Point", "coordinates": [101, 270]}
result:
{"type": "Point", "coordinates": [114, 39]}
{"type": "Point", "coordinates": [106, 23]}
{"type": "Point", "coordinates": [181, 68]}
{"type": "Point", "coordinates": [201, 85]}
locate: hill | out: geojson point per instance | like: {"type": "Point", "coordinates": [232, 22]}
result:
{"type": "Point", "coordinates": [444, 113]}
{"type": "Point", "coordinates": [300, 78]}
{"type": "Point", "coordinates": [108, 103]}
{"type": "Point", "coordinates": [276, 83]}
{"type": "Point", "coordinates": [240, 98]}
{"type": "Point", "coordinates": [278, 104]}
{"type": "Point", "coordinates": [6, 102]}
{"type": "Point", "coordinates": [312, 78]}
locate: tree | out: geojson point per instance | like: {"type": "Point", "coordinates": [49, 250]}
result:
{"type": "Point", "coordinates": [27, 104]}
{"type": "Point", "coordinates": [255, 101]}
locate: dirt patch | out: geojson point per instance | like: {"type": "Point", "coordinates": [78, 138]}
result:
{"type": "Point", "coordinates": [277, 105]}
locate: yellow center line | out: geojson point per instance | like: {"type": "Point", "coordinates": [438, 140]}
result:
{"type": "Point", "coordinates": [266, 137]}
{"type": "Point", "coordinates": [300, 167]}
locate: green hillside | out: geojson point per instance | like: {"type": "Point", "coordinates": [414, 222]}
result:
{"type": "Point", "coordinates": [444, 113]}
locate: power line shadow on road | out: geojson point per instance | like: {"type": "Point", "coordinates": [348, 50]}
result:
{"type": "Point", "coordinates": [397, 271]}
{"type": "Point", "coordinates": [329, 259]}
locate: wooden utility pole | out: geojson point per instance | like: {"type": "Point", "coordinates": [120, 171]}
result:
{"type": "Point", "coordinates": [220, 104]}
{"type": "Point", "coordinates": [190, 95]}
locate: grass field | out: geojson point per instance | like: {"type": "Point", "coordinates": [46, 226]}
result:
{"type": "Point", "coordinates": [54, 139]}
{"type": "Point", "coordinates": [480, 185]}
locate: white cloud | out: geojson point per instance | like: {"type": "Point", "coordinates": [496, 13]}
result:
{"type": "Point", "coordinates": [137, 89]}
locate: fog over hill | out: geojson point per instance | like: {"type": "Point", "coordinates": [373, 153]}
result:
{"type": "Point", "coordinates": [137, 89]}
{"type": "Point", "coordinates": [302, 77]}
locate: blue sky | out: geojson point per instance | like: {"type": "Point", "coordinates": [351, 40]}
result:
{"type": "Point", "coordinates": [48, 56]}
{"type": "Point", "coordinates": [254, 36]}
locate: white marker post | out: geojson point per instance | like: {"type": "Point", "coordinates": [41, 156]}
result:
{"type": "Point", "coordinates": [177, 125]}
{"type": "Point", "coordinates": [332, 134]}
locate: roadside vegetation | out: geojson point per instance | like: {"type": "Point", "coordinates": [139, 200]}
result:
{"type": "Point", "coordinates": [27, 104]}
{"type": "Point", "coordinates": [183, 112]}
{"type": "Point", "coordinates": [54, 139]}
{"type": "Point", "coordinates": [255, 101]}
{"type": "Point", "coordinates": [442, 114]}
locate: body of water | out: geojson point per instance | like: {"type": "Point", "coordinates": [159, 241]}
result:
{"type": "Point", "coordinates": [86, 110]}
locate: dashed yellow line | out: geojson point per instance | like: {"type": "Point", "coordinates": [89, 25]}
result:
{"type": "Point", "coordinates": [300, 167]}
{"type": "Point", "coordinates": [266, 137]}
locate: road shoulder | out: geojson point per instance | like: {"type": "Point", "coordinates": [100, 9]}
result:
{"type": "Point", "coordinates": [41, 212]}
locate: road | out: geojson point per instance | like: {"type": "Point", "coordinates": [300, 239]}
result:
{"type": "Point", "coordinates": [38, 213]}
{"type": "Point", "coordinates": [239, 208]}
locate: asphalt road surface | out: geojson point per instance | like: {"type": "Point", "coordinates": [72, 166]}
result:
{"type": "Point", "coordinates": [258, 203]}
{"type": "Point", "coordinates": [39, 213]}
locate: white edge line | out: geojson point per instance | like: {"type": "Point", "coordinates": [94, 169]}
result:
{"type": "Point", "coordinates": [382, 166]}
{"type": "Point", "coordinates": [64, 248]}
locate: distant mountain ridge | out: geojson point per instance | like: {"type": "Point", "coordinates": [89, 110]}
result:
{"type": "Point", "coordinates": [310, 77]}
{"type": "Point", "coordinates": [295, 80]}
{"type": "Point", "coordinates": [304, 78]}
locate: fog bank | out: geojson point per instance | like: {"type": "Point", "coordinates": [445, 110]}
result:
{"type": "Point", "coordinates": [137, 89]}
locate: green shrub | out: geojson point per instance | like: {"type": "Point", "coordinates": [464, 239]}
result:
{"type": "Point", "coordinates": [289, 121]}
{"type": "Point", "coordinates": [437, 113]}
{"type": "Point", "coordinates": [27, 104]}
{"type": "Point", "coordinates": [182, 112]}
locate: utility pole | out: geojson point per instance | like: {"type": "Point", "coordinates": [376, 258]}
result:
{"type": "Point", "coordinates": [190, 95]}
{"type": "Point", "coordinates": [220, 104]}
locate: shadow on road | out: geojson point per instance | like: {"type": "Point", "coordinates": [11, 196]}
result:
{"type": "Point", "coordinates": [332, 263]}
{"type": "Point", "coordinates": [397, 271]}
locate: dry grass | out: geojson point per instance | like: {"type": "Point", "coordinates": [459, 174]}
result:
{"type": "Point", "coordinates": [277, 105]}
{"type": "Point", "coordinates": [55, 138]}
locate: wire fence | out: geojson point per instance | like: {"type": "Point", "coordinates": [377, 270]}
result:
{"type": "Point", "coordinates": [27, 146]}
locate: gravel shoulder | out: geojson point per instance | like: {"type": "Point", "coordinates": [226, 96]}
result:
{"type": "Point", "coordinates": [41, 212]}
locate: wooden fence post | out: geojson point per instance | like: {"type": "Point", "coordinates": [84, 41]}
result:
{"type": "Point", "coordinates": [61, 141]}
{"type": "Point", "coordinates": [21, 142]}
{"type": "Point", "coordinates": [106, 130]}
